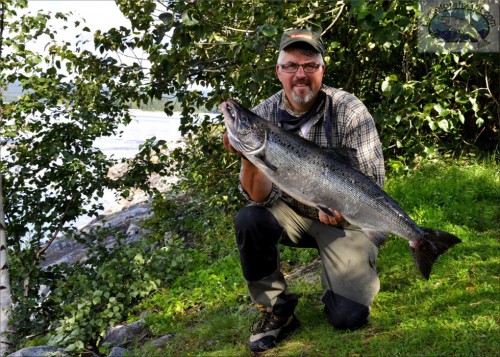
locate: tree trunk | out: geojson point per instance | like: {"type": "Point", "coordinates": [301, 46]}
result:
{"type": "Point", "coordinates": [5, 294]}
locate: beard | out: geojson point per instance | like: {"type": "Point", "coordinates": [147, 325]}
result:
{"type": "Point", "coordinates": [305, 99]}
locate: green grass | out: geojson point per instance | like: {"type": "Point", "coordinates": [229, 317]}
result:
{"type": "Point", "coordinates": [454, 313]}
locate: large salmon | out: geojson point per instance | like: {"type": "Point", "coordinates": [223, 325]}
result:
{"type": "Point", "coordinates": [320, 178]}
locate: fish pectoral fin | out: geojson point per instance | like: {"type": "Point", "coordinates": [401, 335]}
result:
{"type": "Point", "coordinates": [325, 211]}
{"type": "Point", "coordinates": [376, 237]}
{"type": "Point", "coordinates": [266, 162]}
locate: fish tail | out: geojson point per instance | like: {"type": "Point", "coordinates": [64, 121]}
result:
{"type": "Point", "coordinates": [426, 250]}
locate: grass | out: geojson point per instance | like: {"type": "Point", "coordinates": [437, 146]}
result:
{"type": "Point", "coordinates": [456, 312]}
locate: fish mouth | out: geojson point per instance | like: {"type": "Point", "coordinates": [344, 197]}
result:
{"type": "Point", "coordinates": [229, 112]}
{"type": "Point", "coordinates": [228, 109]}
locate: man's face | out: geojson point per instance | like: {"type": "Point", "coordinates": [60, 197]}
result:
{"type": "Point", "coordinates": [301, 88]}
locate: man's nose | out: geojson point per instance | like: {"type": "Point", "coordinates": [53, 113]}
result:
{"type": "Point", "coordinates": [300, 72]}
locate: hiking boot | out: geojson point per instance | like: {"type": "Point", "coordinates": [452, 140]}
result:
{"type": "Point", "coordinates": [273, 323]}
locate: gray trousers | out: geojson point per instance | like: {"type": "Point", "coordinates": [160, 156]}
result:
{"type": "Point", "coordinates": [348, 257]}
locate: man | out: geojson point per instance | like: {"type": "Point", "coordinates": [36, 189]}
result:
{"type": "Point", "coordinates": [331, 118]}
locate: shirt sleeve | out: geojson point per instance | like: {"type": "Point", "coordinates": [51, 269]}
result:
{"type": "Point", "coordinates": [362, 134]}
{"type": "Point", "coordinates": [273, 197]}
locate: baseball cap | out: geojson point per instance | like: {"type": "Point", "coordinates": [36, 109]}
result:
{"type": "Point", "coordinates": [313, 39]}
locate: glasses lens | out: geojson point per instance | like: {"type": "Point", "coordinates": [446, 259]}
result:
{"type": "Point", "coordinates": [290, 68]}
{"type": "Point", "coordinates": [293, 67]}
{"type": "Point", "coordinates": [309, 68]}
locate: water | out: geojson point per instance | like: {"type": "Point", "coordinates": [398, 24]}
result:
{"type": "Point", "coordinates": [144, 125]}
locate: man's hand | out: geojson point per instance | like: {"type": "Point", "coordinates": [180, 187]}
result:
{"type": "Point", "coordinates": [331, 220]}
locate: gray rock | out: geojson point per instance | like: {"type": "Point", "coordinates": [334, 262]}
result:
{"type": "Point", "coordinates": [121, 335]}
{"type": "Point", "coordinates": [40, 351]}
{"type": "Point", "coordinates": [162, 340]}
{"type": "Point", "coordinates": [119, 352]}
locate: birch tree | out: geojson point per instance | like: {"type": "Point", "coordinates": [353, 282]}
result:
{"type": "Point", "coordinates": [5, 294]}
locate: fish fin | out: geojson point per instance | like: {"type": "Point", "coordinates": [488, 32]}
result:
{"type": "Point", "coordinates": [346, 155]}
{"type": "Point", "coordinates": [325, 211]}
{"type": "Point", "coordinates": [426, 250]}
{"type": "Point", "coordinates": [267, 163]}
{"type": "Point", "coordinates": [376, 237]}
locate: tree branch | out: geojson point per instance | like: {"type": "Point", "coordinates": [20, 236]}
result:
{"type": "Point", "coordinates": [54, 236]}
{"type": "Point", "coordinates": [488, 87]}
{"type": "Point", "coordinates": [335, 19]}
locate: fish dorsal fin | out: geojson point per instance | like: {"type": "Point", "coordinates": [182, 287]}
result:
{"type": "Point", "coordinates": [346, 155]}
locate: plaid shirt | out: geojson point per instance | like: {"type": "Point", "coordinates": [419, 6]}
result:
{"type": "Point", "coordinates": [352, 127]}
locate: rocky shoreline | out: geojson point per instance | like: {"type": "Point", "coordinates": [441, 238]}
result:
{"type": "Point", "coordinates": [125, 216]}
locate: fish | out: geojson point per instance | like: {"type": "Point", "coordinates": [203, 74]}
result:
{"type": "Point", "coordinates": [321, 178]}
{"type": "Point", "coordinates": [463, 27]}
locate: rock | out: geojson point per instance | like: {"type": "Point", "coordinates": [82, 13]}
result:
{"type": "Point", "coordinates": [40, 351]}
{"type": "Point", "coordinates": [161, 340]}
{"type": "Point", "coordinates": [121, 335]}
{"type": "Point", "coordinates": [119, 352]}
{"type": "Point", "coordinates": [127, 221]}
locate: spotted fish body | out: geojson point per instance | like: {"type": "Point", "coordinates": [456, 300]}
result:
{"type": "Point", "coordinates": [321, 178]}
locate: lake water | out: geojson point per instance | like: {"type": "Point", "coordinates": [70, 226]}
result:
{"type": "Point", "coordinates": [144, 125]}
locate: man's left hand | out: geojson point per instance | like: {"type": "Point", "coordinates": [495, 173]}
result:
{"type": "Point", "coordinates": [337, 218]}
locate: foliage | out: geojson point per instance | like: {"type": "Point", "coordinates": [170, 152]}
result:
{"type": "Point", "coordinates": [51, 173]}
{"type": "Point", "coordinates": [203, 52]}
{"type": "Point", "coordinates": [213, 278]}
{"type": "Point", "coordinates": [422, 102]}
{"type": "Point", "coordinates": [85, 299]}
{"type": "Point", "coordinates": [206, 169]}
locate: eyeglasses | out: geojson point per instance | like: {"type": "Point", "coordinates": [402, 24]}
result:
{"type": "Point", "coordinates": [294, 67]}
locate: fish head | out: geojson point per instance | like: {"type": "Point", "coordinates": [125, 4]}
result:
{"type": "Point", "coordinates": [246, 130]}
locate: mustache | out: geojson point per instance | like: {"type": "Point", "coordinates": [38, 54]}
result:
{"type": "Point", "coordinates": [301, 81]}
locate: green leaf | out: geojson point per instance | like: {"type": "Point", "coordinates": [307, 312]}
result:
{"type": "Point", "coordinates": [443, 124]}
{"type": "Point", "coordinates": [167, 18]}
{"type": "Point", "coordinates": [461, 118]}
{"type": "Point", "coordinates": [269, 31]}
{"type": "Point", "coordinates": [386, 86]}
{"type": "Point", "coordinates": [187, 19]}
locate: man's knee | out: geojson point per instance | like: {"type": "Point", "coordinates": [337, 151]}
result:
{"type": "Point", "coordinates": [343, 313]}
{"type": "Point", "coordinates": [257, 234]}
{"type": "Point", "coordinates": [256, 222]}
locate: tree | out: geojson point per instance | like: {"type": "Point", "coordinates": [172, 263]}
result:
{"type": "Point", "coordinates": [422, 103]}
{"type": "Point", "coordinates": [51, 173]}
{"type": "Point", "coordinates": [5, 294]}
